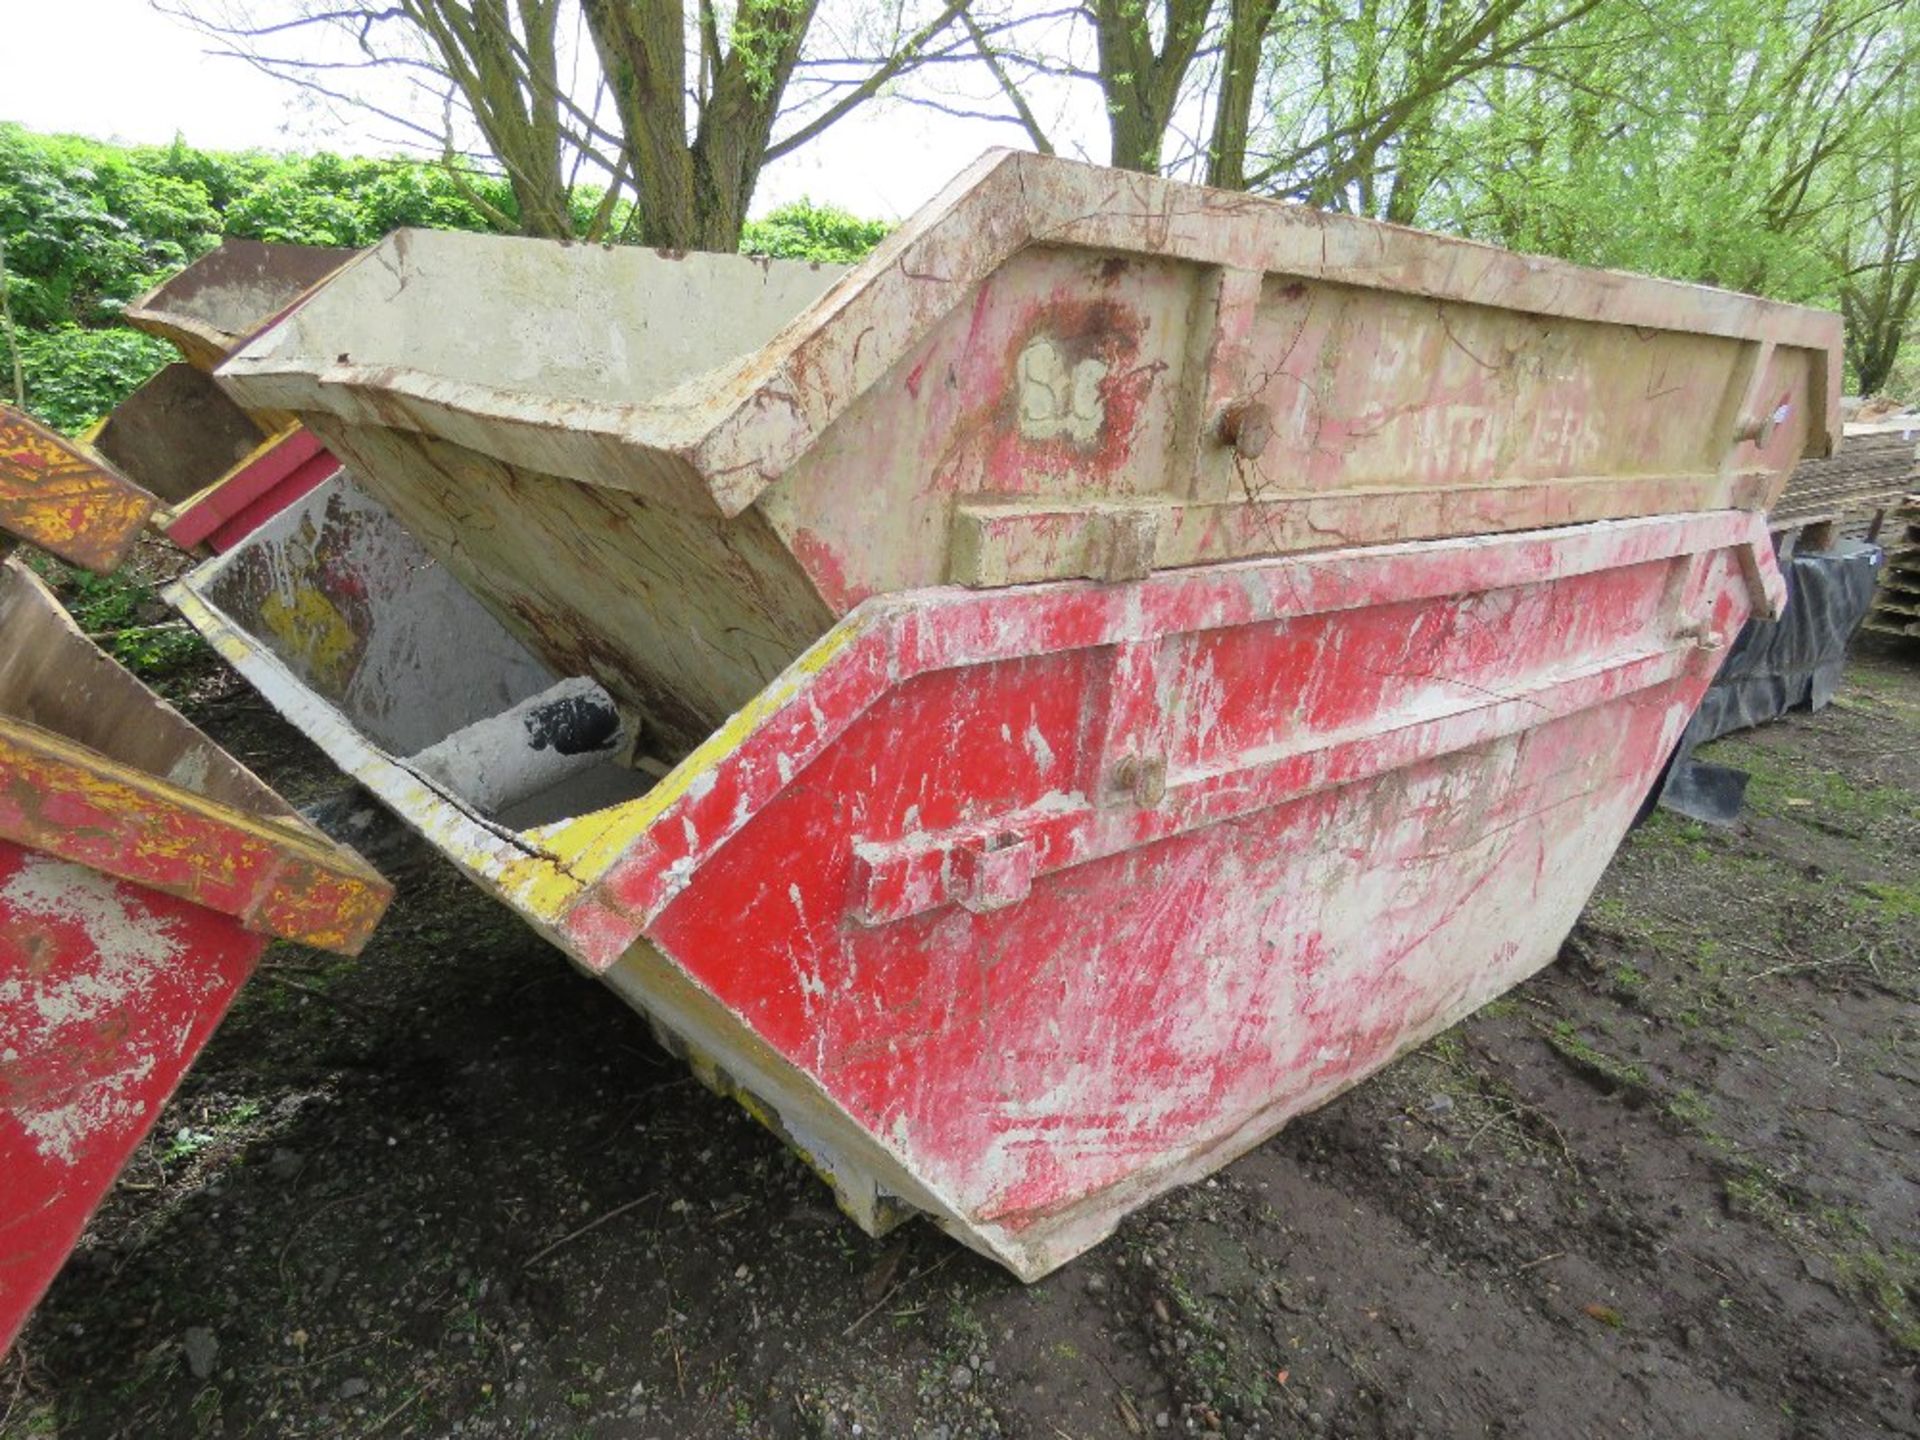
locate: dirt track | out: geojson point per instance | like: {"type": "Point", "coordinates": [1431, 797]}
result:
{"type": "Point", "coordinates": [1668, 1187]}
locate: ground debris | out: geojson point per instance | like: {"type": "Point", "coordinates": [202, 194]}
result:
{"type": "Point", "coordinates": [1656, 1190]}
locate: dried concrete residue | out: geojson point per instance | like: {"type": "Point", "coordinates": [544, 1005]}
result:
{"type": "Point", "coordinates": [190, 771]}
{"type": "Point", "coordinates": [129, 951]}
{"type": "Point", "coordinates": [563, 731]}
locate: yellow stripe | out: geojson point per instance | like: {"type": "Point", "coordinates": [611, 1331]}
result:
{"type": "Point", "coordinates": [588, 845]}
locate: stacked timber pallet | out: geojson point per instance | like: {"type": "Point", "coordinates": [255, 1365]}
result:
{"type": "Point", "coordinates": [1874, 468]}
{"type": "Point", "coordinates": [1896, 609]}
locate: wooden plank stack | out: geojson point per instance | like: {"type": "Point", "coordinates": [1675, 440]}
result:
{"type": "Point", "coordinates": [1874, 468]}
{"type": "Point", "coordinates": [1896, 609]}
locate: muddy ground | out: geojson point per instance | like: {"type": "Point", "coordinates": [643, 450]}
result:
{"type": "Point", "coordinates": [1666, 1188]}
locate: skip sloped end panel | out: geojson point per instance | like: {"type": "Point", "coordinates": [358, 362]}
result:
{"type": "Point", "coordinates": [1067, 421]}
{"type": "Point", "coordinates": [54, 677]}
{"type": "Point", "coordinates": [100, 771]}
{"type": "Point", "coordinates": [230, 292]}
{"type": "Point", "coordinates": [347, 600]}
{"type": "Point", "coordinates": [559, 351]}
{"type": "Point", "coordinates": [1047, 1002]}
{"type": "Point", "coordinates": [681, 616]}
{"type": "Point", "coordinates": [177, 434]}
{"type": "Point", "coordinates": [107, 993]}
{"type": "Point", "coordinates": [61, 496]}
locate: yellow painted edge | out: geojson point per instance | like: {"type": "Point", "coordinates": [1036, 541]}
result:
{"type": "Point", "coordinates": [275, 831]}
{"type": "Point", "coordinates": [285, 835]}
{"type": "Point", "coordinates": [180, 507]}
{"type": "Point", "coordinates": [115, 515]}
{"type": "Point", "coordinates": [586, 846]}
{"type": "Point", "coordinates": [415, 799]}
{"type": "Point", "coordinates": [574, 853]}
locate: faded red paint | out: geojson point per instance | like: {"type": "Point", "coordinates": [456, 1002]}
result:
{"type": "Point", "coordinates": [822, 560]}
{"type": "Point", "coordinates": [253, 493]}
{"type": "Point", "coordinates": [1108, 331]}
{"type": "Point", "coordinates": [1394, 776]}
{"type": "Point", "coordinates": [108, 991]}
{"type": "Point", "coordinates": [137, 888]}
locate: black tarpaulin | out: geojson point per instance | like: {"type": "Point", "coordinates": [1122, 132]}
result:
{"type": "Point", "coordinates": [1793, 663]}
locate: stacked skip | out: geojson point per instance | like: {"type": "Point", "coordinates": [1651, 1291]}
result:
{"type": "Point", "coordinates": [217, 469]}
{"type": "Point", "coordinates": [1031, 713]}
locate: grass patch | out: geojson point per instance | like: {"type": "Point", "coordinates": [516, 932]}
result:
{"type": "Point", "coordinates": [1593, 1062]}
{"type": "Point", "coordinates": [1898, 900]}
{"type": "Point", "coordinates": [1883, 1279]}
{"type": "Point", "coordinates": [1825, 796]}
{"type": "Point", "coordinates": [125, 616]}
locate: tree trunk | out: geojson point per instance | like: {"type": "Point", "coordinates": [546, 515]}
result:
{"type": "Point", "coordinates": [694, 192]}
{"type": "Point", "coordinates": [1247, 24]}
{"type": "Point", "coordinates": [513, 91]}
{"type": "Point", "coordinates": [1141, 87]}
{"type": "Point", "coordinates": [736, 124]}
{"type": "Point", "coordinates": [642, 48]}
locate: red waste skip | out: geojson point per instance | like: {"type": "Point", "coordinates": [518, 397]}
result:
{"type": "Point", "coordinates": [108, 990]}
{"type": "Point", "coordinates": [1031, 713]}
{"type": "Point", "coordinates": [142, 872]}
{"type": "Point", "coordinates": [1076, 894]}
{"type": "Point", "coordinates": [1018, 907]}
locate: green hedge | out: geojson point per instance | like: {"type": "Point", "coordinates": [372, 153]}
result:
{"type": "Point", "coordinates": [88, 227]}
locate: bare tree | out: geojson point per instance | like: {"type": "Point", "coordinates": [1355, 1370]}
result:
{"type": "Point", "coordinates": [1302, 97]}
{"type": "Point", "coordinates": [665, 115]}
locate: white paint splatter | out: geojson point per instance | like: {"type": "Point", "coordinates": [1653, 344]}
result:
{"type": "Point", "coordinates": [190, 771]}
{"type": "Point", "coordinates": [130, 951]}
{"type": "Point", "coordinates": [1039, 749]}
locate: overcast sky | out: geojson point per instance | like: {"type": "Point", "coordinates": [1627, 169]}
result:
{"type": "Point", "coordinates": [120, 70]}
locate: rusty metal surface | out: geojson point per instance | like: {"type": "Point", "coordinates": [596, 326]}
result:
{"type": "Point", "coordinates": [1018, 907]}
{"type": "Point", "coordinates": [230, 292]}
{"type": "Point", "coordinates": [96, 769]}
{"type": "Point", "coordinates": [704, 614]}
{"type": "Point", "coordinates": [1053, 371]}
{"type": "Point", "coordinates": [108, 991]}
{"type": "Point", "coordinates": [177, 434]}
{"type": "Point", "coordinates": [59, 495]}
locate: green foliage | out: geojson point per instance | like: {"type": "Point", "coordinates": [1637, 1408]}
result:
{"type": "Point", "coordinates": [1751, 145]}
{"type": "Point", "coordinates": [1760, 145]}
{"type": "Point", "coordinates": [806, 231]}
{"type": "Point", "coordinates": [126, 616]}
{"type": "Point", "coordinates": [326, 200]}
{"type": "Point", "coordinates": [85, 231]}
{"type": "Point", "coordinates": [88, 227]}
{"type": "Point", "coordinates": [74, 376]}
